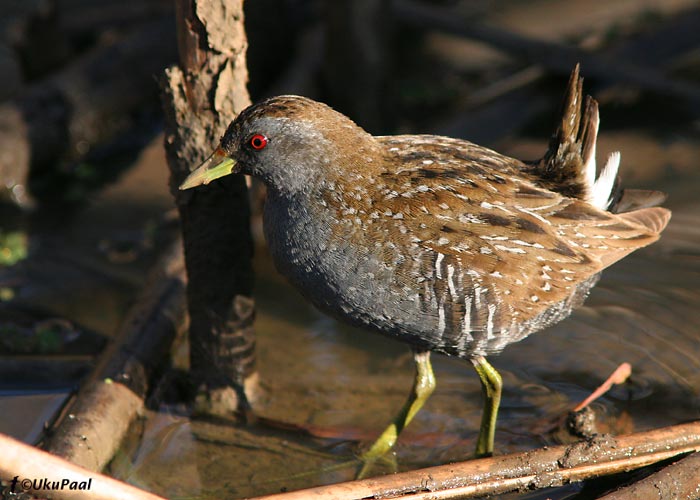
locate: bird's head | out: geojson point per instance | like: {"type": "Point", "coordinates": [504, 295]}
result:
{"type": "Point", "coordinates": [290, 143]}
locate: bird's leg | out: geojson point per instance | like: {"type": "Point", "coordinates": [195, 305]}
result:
{"type": "Point", "coordinates": [491, 384]}
{"type": "Point", "coordinates": [423, 386]}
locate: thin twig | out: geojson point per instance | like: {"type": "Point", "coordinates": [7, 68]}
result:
{"type": "Point", "coordinates": [619, 376]}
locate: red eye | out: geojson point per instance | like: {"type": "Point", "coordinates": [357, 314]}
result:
{"type": "Point", "coordinates": [258, 142]}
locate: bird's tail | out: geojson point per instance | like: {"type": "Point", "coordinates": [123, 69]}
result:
{"type": "Point", "coordinates": [569, 165]}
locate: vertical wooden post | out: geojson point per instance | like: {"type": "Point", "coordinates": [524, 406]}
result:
{"type": "Point", "coordinates": [201, 96]}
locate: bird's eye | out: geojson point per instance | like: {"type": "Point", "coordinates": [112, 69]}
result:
{"type": "Point", "coordinates": [258, 142]}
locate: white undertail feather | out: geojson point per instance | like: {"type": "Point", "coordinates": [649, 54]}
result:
{"type": "Point", "coordinates": [601, 194]}
{"type": "Point", "coordinates": [600, 189]}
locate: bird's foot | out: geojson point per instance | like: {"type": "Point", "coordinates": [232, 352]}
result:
{"type": "Point", "coordinates": [368, 461]}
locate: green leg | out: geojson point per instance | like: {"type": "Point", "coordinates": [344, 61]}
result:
{"type": "Point", "coordinates": [491, 384]}
{"type": "Point", "coordinates": [423, 386]}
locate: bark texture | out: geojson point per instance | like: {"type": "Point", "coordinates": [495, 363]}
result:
{"type": "Point", "coordinates": [201, 97]}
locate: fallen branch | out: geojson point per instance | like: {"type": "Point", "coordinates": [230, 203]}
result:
{"type": "Point", "coordinates": [542, 468]}
{"type": "Point", "coordinates": [679, 480]}
{"type": "Point", "coordinates": [91, 428]}
{"type": "Point", "coordinates": [26, 463]}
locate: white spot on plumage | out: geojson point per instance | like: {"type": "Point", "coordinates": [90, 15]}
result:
{"type": "Point", "coordinates": [465, 218]}
{"type": "Point", "coordinates": [438, 262]}
{"type": "Point", "coordinates": [526, 244]}
{"type": "Point", "coordinates": [489, 321]}
{"type": "Point", "coordinates": [467, 322]}
{"type": "Point", "coordinates": [536, 216]}
{"type": "Point", "coordinates": [450, 282]}
{"type": "Point", "coordinates": [441, 318]}
{"type": "Point", "coordinates": [509, 249]}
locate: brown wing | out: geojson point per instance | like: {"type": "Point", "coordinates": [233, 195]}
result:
{"type": "Point", "coordinates": [486, 245]}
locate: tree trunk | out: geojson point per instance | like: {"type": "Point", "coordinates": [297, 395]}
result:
{"type": "Point", "coordinates": [201, 96]}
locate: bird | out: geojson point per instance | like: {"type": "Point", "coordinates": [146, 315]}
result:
{"type": "Point", "coordinates": [445, 245]}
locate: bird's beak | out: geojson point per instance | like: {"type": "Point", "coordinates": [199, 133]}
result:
{"type": "Point", "coordinates": [217, 165]}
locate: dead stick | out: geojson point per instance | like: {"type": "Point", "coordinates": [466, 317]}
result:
{"type": "Point", "coordinates": [540, 468]}
{"type": "Point", "coordinates": [26, 463]}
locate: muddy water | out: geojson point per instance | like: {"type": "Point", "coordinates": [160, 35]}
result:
{"type": "Point", "coordinates": [342, 385]}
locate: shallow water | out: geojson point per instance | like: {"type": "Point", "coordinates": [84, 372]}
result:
{"type": "Point", "coordinates": [345, 384]}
